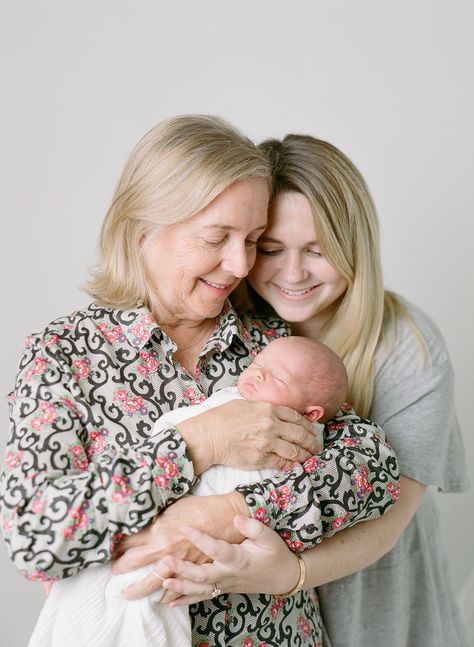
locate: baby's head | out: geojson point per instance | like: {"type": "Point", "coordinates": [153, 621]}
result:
{"type": "Point", "coordinates": [298, 373]}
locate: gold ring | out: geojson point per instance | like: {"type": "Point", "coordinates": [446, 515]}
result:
{"type": "Point", "coordinates": [216, 589]}
{"type": "Point", "coordinates": [158, 575]}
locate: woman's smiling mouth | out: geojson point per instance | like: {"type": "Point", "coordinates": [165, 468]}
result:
{"type": "Point", "coordinates": [296, 294]}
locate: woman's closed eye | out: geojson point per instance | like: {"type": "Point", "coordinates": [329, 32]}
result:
{"type": "Point", "coordinates": [269, 251]}
{"type": "Point", "coordinates": [217, 242]}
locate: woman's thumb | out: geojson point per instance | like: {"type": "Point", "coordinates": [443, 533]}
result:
{"type": "Point", "coordinates": [253, 529]}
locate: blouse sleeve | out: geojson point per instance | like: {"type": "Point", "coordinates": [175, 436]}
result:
{"type": "Point", "coordinates": [354, 479]}
{"type": "Point", "coordinates": [62, 506]}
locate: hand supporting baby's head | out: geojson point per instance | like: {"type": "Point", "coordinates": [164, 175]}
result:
{"type": "Point", "coordinates": [299, 373]}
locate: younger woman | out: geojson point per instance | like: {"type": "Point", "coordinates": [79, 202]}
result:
{"type": "Point", "coordinates": [318, 267]}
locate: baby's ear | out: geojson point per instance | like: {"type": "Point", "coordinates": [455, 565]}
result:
{"type": "Point", "coordinates": [313, 413]}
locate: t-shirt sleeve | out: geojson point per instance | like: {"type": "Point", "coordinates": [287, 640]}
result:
{"type": "Point", "coordinates": [414, 404]}
{"type": "Point", "coordinates": [418, 417]}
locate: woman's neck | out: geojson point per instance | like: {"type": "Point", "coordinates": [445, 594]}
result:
{"type": "Point", "coordinates": [190, 338]}
{"type": "Point", "coordinates": [312, 328]}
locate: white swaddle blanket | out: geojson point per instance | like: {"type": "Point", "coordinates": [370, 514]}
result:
{"type": "Point", "coordinates": [88, 610]}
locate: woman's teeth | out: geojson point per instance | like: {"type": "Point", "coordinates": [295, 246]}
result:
{"type": "Point", "coordinates": [216, 285]}
{"type": "Point", "coordinates": [295, 293]}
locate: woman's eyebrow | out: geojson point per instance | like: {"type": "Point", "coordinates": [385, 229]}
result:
{"type": "Point", "coordinates": [229, 227]}
{"type": "Point", "coordinates": [268, 239]}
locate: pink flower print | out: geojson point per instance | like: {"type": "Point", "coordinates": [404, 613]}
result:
{"type": "Point", "coordinates": [81, 368]}
{"type": "Point", "coordinates": [149, 364]}
{"type": "Point", "coordinates": [261, 515]}
{"type": "Point", "coordinates": [40, 366]}
{"type": "Point", "coordinates": [122, 488]}
{"type": "Point", "coordinates": [161, 480]}
{"type": "Point", "coordinates": [189, 393]}
{"type": "Point", "coordinates": [311, 465]}
{"type": "Point", "coordinates": [111, 335]}
{"type": "Point", "coordinates": [130, 404]}
{"type": "Point", "coordinates": [78, 520]}
{"type": "Point", "coordinates": [76, 450]}
{"type": "Point", "coordinates": [394, 491]}
{"type": "Point", "coordinates": [304, 626]}
{"type": "Point", "coordinates": [49, 412]}
{"type": "Point", "coordinates": [339, 522]}
{"type": "Point", "coordinates": [69, 532]}
{"type": "Point", "coordinates": [279, 604]}
{"type": "Point", "coordinates": [134, 405]}
{"type": "Point", "coordinates": [361, 482]}
{"type": "Point", "coordinates": [351, 442]}
{"type": "Point", "coordinates": [346, 407]}
{"type": "Point", "coordinates": [336, 426]}
{"type": "Point", "coordinates": [270, 333]}
{"type": "Point", "coordinates": [280, 497]}
{"type": "Point", "coordinates": [294, 546]}
{"type": "Point", "coordinates": [52, 341]}
{"type": "Point", "coordinates": [13, 459]}
{"type": "Point", "coordinates": [197, 372]}
{"type": "Point", "coordinates": [39, 576]}
{"type": "Point", "coordinates": [140, 332]}
{"type": "Point", "coordinates": [248, 642]}
{"type": "Point", "coordinates": [171, 469]}
{"type": "Point", "coordinates": [38, 505]}
{"type": "Point", "coordinates": [80, 464]}
{"type": "Point", "coordinates": [36, 423]}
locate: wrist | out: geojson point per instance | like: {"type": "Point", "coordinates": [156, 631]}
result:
{"type": "Point", "coordinates": [299, 583]}
{"type": "Point", "coordinates": [199, 443]}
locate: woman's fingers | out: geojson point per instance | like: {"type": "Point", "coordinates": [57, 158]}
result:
{"type": "Point", "coordinates": [148, 584]}
{"type": "Point", "coordinates": [215, 549]}
{"type": "Point", "coordinates": [298, 431]}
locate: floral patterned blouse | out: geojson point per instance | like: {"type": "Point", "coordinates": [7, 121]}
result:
{"type": "Point", "coordinates": [81, 468]}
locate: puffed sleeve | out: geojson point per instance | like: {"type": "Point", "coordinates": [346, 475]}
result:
{"type": "Point", "coordinates": [62, 507]}
{"type": "Point", "coordinates": [354, 479]}
{"type": "Point", "coordinates": [414, 403]}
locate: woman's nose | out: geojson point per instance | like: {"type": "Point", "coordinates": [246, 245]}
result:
{"type": "Point", "coordinates": [293, 269]}
{"type": "Point", "coordinates": [238, 261]}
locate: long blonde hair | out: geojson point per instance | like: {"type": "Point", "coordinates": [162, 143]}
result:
{"type": "Point", "coordinates": [173, 172]}
{"type": "Point", "coordinates": [348, 234]}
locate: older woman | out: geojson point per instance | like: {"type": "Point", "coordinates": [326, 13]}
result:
{"type": "Point", "coordinates": [318, 267]}
{"type": "Point", "coordinates": [82, 471]}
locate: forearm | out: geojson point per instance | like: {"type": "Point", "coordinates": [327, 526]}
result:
{"type": "Point", "coordinates": [358, 547]}
{"type": "Point", "coordinates": [354, 479]}
{"type": "Point", "coordinates": [58, 521]}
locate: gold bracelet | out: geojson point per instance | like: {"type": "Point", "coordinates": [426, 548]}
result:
{"type": "Point", "coordinates": [301, 579]}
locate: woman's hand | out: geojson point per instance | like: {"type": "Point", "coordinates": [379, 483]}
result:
{"type": "Point", "coordinates": [213, 514]}
{"type": "Point", "coordinates": [262, 563]}
{"type": "Point", "coordinates": [249, 435]}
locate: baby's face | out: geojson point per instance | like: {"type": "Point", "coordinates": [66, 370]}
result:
{"type": "Point", "coordinates": [275, 376]}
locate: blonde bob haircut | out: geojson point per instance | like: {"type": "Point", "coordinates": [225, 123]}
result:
{"type": "Point", "coordinates": [173, 172]}
{"type": "Point", "coordinates": [348, 234]}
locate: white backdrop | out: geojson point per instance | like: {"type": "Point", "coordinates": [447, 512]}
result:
{"type": "Point", "coordinates": [389, 83]}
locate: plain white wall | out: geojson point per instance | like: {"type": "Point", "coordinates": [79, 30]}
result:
{"type": "Point", "coordinates": [389, 83]}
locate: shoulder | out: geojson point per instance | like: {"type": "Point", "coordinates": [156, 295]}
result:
{"type": "Point", "coordinates": [414, 346]}
{"type": "Point", "coordinates": [263, 329]}
{"type": "Point", "coordinates": [68, 327]}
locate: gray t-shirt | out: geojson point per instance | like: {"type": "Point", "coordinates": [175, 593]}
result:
{"type": "Point", "coordinates": [405, 599]}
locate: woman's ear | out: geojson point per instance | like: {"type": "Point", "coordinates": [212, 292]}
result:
{"type": "Point", "coordinates": [313, 413]}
